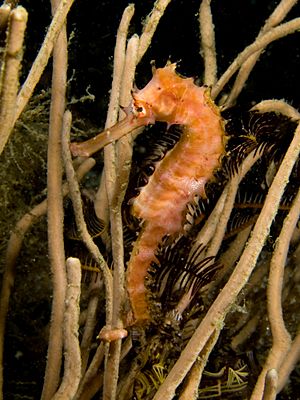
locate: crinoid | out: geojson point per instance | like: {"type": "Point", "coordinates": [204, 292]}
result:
{"type": "Point", "coordinates": [186, 229]}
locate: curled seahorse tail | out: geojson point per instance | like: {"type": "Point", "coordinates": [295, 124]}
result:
{"type": "Point", "coordinates": [143, 254]}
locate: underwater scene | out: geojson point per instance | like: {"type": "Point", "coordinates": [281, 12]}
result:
{"type": "Point", "coordinates": [150, 201]}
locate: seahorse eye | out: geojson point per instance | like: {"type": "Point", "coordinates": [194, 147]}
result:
{"type": "Point", "coordinates": [143, 111]}
{"type": "Point", "coordinates": [139, 109]}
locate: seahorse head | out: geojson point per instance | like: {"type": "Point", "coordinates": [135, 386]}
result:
{"type": "Point", "coordinates": [161, 99]}
{"type": "Point", "coordinates": [166, 98]}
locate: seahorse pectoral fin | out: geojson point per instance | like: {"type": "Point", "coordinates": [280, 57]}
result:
{"type": "Point", "coordinates": [109, 135]}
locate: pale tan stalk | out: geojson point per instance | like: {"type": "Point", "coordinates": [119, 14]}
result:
{"type": "Point", "coordinates": [279, 106]}
{"type": "Point", "coordinates": [4, 15]}
{"type": "Point", "coordinates": [93, 379]}
{"type": "Point", "coordinates": [280, 335]}
{"type": "Point", "coordinates": [123, 150]}
{"type": "Point", "coordinates": [108, 175]}
{"type": "Point", "coordinates": [275, 18]}
{"type": "Point", "coordinates": [233, 186]}
{"type": "Point", "coordinates": [77, 206]}
{"type": "Point", "coordinates": [215, 226]}
{"type": "Point", "coordinates": [111, 371]}
{"type": "Point", "coordinates": [101, 208]}
{"type": "Point", "coordinates": [90, 373]}
{"type": "Point", "coordinates": [150, 26]}
{"type": "Point", "coordinates": [123, 166]}
{"type": "Point", "coordinates": [211, 224]}
{"type": "Point", "coordinates": [190, 391]}
{"type": "Point", "coordinates": [208, 47]}
{"type": "Point", "coordinates": [273, 34]}
{"type": "Point", "coordinates": [42, 58]}
{"type": "Point", "coordinates": [289, 363]}
{"type": "Point", "coordinates": [55, 212]}
{"type": "Point", "coordinates": [9, 82]}
{"type": "Point", "coordinates": [270, 388]}
{"type": "Point", "coordinates": [126, 386]}
{"type": "Point", "coordinates": [72, 356]}
{"type": "Point", "coordinates": [88, 241]}
{"type": "Point", "coordinates": [124, 145]}
{"type": "Point", "coordinates": [95, 289]}
{"type": "Point", "coordinates": [232, 254]}
{"type": "Point", "coordinates": [245, 332]}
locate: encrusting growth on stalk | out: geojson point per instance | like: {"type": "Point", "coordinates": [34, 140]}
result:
{"type": "Point", "coordinates": [180, 176]}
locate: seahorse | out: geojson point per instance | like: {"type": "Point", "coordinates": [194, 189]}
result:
{"type": "Point", "coordinates": [178, 177]}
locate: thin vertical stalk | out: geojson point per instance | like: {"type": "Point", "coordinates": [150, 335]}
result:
{"type": "Point", "coordinates": [72, 356]}
{"type": "Point", "coordinates": [280, 335]}
{"type": "Point", "coordinates": [260, 43]}
{"type": "Point", "coordinates": [208, 47]}
{"type": "Point", "coordinates": [55, 212]}
{"type": "Point", "coordinates": [150, 26]}
{"type": "Point", "coordinates": [275, 18]}
{"type": "Point", "coordinates": [43, 56]}
{"type": "Point", "coordinates": [10, 72]}
{"type": "Point", "coordinates": [111, 371]}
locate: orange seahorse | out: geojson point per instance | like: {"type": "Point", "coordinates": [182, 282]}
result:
{"type": "Point", "coordinates": [178, 177]}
